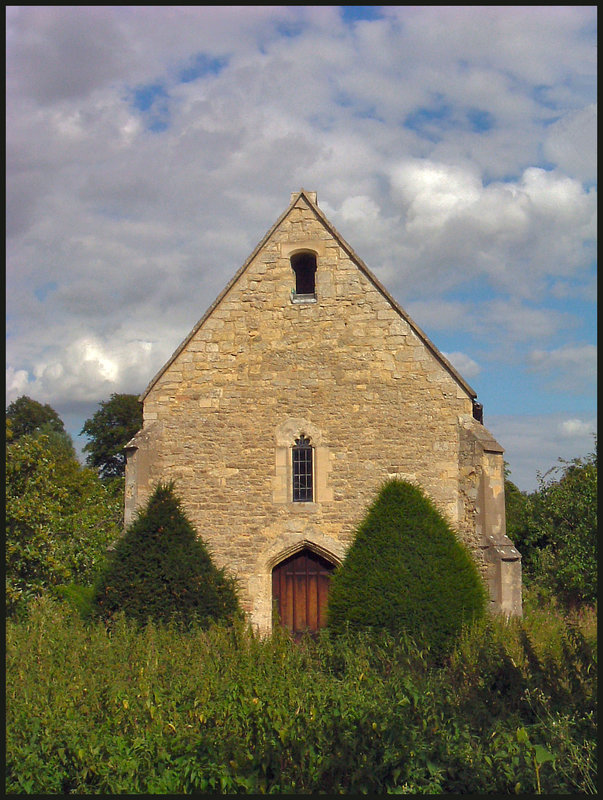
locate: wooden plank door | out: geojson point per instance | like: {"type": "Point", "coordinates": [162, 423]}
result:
{"type": "Point", "coordinates": [300, 588]}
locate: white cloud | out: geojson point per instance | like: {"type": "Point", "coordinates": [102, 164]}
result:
{"type": "Point", "coordinates": [494, 320]}
{"type": "Point", "coordinates": [439, 314]}
{"type": "Point", "coordinates": [451, 146]}
{"type": "Point", "coordinates": [88, 370]}
{"type": "Point", "coordinates": [360, 209]}
{"type": "Point", "coordinates": [539, 45]}
{"type": "Point", "coordinates": [534, 444]}
{"type": "Point", "coordinates": [16, 382]}
{"type": "Point", "coordinates": [467, 367]}
{"type": "Point", "coordinates": [433, 193]}
{"type": "Point", "coordinates": [571, 143]}
{"type": "Point", "coordinates": [571, 367]}
{"type": "Point", "coordinates": [511, 234]}
{"type": "Point", "coordinates": [512, 320]}
{"type": "Point", "coordinates": [575, 427]}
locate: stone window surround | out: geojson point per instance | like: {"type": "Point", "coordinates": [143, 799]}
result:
{"type": "Point", "coordinates": [285, 435]}
{"type": "Point", "coordinates": [289, 249]}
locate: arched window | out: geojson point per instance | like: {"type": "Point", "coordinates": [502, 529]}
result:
{"type": "Point", "coordinates": [303, 479]}
{"type": "Point", "coordinates": [304, 267]}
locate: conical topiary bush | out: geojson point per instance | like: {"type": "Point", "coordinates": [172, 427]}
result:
{"type": "Point", "coordinates": [161, 570]}
{"type": "Point", "coordinates": [406, 572]}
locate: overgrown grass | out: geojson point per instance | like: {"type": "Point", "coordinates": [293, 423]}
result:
{"type": "Point", "coordinates": [160, 710]}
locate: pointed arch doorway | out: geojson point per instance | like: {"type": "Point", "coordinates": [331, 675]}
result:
{"type": "Point", "coordinates": [300, 589]}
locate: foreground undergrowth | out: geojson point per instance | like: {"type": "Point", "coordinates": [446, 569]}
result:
{"type": "Point", "coordinates": [160, 710]}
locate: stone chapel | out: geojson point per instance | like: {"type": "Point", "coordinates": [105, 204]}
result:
{"type": "Point", "coordinates": [302, 389]}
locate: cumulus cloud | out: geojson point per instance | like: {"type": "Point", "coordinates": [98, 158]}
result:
{"type": "Point", "coordinates": [571, 428]}
{"type": "Point", "coordinates": [535, 443]}
{"type": "Point", "coordinates": [571, 143]}
{"type": "Point", "coordinates": [88, 369]}
{"type": "Point", "coordinates": [467, 367]}
{"type": "Point", "coordinates": [16, 382]}
{"type": "Point", "coordinates": [570, 368]}
{"type": "Point", "coordinates": [150, 148]}
{"type": "Point", "coordinates": [433, 193]}
{"type": "Point", "coordinates": [513, 234]}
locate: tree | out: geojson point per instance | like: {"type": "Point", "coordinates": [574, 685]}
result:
{"type": "Point", "coordinates": [60, 518]}
{"type": "Point", "coordinates": [161, 570]}
{"type": "Point", "coordinates": [33, 501]}
{"type": "Point", "coordinates": [27, 416]}
{"type": "Point", "coordinates": [406, 572]}
{"type": "Point", "coordinates": [109, 430]}
{"type": "Point", "coordinates": [557, 531]}
{"type": "Point", "coordinates": [520, 527]}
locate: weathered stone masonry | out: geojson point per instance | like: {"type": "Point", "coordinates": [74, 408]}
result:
{"type": "Point", "coordinates": [347, 368]}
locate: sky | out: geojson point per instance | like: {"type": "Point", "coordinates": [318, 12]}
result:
{"type": "Point", "coordinates": [150, 148]}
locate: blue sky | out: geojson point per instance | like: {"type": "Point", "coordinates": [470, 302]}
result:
{"type": "Point", "coordinates": [150, 148]}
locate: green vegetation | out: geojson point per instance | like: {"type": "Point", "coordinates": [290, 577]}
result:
{"type": "Point", "coordinates": [555, 529]}
{"type": "Point", "coordinates": [60, 517]}
{"type": "Point", "coordinates": [109, 430]}
{"type": "Point", "coordinates": [28, 416]}
{"type": "Point", "coordinates": [110, 706]}
{"type": "Point", "coordinates": [162, 710]}
{"type": "Point", "coordinates": [161, 570]}
{"type": "Point", "coordinates": [406, 572]}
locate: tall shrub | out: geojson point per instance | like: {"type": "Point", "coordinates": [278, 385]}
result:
{"type": "Point", "coordinates": [406, 572]}
{"type": "Point", "coordinates": [161, 570]}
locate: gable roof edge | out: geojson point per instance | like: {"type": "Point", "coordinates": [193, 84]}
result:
{"type": "Point", "coordinates": [357, 260]}
{"type": "Point", "coordinates": [397, 307]}
{"type": "Point", "coordinates": [222, 294]}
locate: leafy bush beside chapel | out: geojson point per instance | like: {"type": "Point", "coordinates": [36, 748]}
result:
{"type": "Point", "coordinates": [407, 573]}
{"type": "Point", "coordinates": [161, 570]}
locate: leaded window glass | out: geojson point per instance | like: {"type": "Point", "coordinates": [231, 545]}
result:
{"type": "Point", "coordinates": [302, 471]}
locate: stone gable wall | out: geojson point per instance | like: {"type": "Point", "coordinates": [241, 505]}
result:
{"type": "Point", "coordinates": [347, 370]}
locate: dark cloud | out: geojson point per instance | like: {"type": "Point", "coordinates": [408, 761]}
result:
{"type": "Point", "coordinates": [64, 52]}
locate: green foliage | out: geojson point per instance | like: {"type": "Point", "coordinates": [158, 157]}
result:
{"type": "Point", "coordinates": [406, 572]}
{"type": "Point", "coordinates": [27, 416]}
{"type": "Point", "coordinates": [555, 529]}
{"type": "Point", "coordinates": [161, 710]}
{"type": "Point", "coordinates": [567, 514]}
{"type": "Point", "coordinates": [59, 518]}
{"type": "Point", "coordinates": [33, 505]}
{"type": "Point", "coordinates": [109, 430]}
{"type": "Point", "coordinates": [517, 512]}
{"type": "Point", "coordinates": [92, 519]}
{"type": "Point", "coordinates": [79, 597]}
{"type": "Point", "coordinates": [161, 570]}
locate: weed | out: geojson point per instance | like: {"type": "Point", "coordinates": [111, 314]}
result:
{"type": "Point", "coordinates": [166, 710]}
